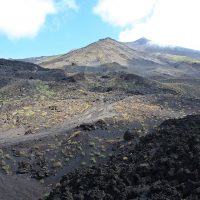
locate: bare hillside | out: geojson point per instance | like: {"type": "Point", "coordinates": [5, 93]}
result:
{"type": "Point", "coordinates": [99, 53]}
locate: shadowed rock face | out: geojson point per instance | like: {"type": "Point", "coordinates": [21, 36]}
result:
{"type": "Point", "coordinates": [163, 165]}
{"type": "Point", "coordinates": [11, 69]}
{"type": "Point", "coordinates": [19, 64]}
{"type": "Point", "coordinates": [24, 75]}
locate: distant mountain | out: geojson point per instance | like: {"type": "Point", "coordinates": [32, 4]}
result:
{"type": "Point", "coordinates": [141, 41]}
{"type": "Point", "coordinates": [142, 57]}
{"type": "Point", "coordinates": [144, 44]}
{"type": "Point", "coordinates": [104, 51]}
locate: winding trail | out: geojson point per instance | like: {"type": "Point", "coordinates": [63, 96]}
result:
{"type": "Point", "coordinates": [17, 187]}
{"type": "Point", "coordinates": [100, 111]}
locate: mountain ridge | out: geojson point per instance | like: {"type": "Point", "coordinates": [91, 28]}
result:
{"type": "Point", "coordinates": [142, 57]}
{"type": "Point", "coordinates": [95, 54]}
{"type": "Point", "coordinates": [144, 44]}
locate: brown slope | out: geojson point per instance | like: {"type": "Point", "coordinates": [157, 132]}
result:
{"type": "Point", "coordinates": [111, 55]}
{"type": "Point", "coordinates": [99, 53]}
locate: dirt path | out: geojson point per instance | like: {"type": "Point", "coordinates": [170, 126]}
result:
{"type": "Point", "coordinates": [93, 114]}
{"type": "Point", "coordinates": [21, 188]}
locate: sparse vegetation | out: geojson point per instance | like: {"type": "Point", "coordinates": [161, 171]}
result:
{"type": "Point", "coordinates": [179, 58]}
{"type": "Point", "coordinates": [54, 121]}
{"type": "Point", "coordinates": [44, 91]}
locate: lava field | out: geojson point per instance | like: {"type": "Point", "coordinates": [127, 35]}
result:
{"type": "Point", "coordinates": [162, 165]}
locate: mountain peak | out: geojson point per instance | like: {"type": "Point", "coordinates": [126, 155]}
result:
{"type": "Point", "coordinates": [98, 53]}
{"type": "Point", "coordinates": [142, 41]}
{"type": "Point", "coordinates": [108, 39]}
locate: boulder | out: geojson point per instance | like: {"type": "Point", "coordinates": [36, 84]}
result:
{"type": "Point", "coordinates": [130, 135]}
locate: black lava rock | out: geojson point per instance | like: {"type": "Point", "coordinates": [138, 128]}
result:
{"type": "Point", "coordinates": [100, 124]}
{"type": "Point", "coordinates": [163, 165]}
{"type": "Point", "coordinates": [129, 135]}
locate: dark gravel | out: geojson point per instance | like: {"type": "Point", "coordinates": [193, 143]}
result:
{"type": "Point", "coordinates": [163, 165]}
{"type": "Point", "coordinates": [20, 188]}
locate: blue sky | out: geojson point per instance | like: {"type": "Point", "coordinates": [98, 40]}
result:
{"type": "Point", "coordinates": [49, 27]}
{"type": "Point", "coordinates": [62, 32]}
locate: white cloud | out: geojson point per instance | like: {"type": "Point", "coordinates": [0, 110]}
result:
{"type": "Point", "coordinates": [71, 4]}
{"type": "Point", "coordinates": [25, 18]}
{"type": "Point", "coordinates": [123, 12]}
{"type": "Point", "coordinates": [174, 22]}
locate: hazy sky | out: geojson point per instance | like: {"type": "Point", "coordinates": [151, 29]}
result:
{"type": "Point", "coordinates": [45, 27]}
